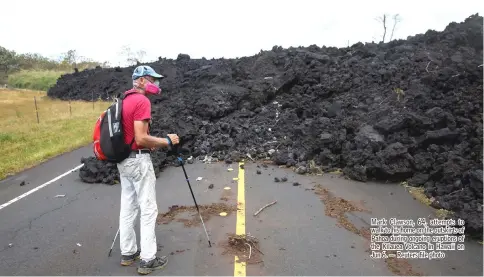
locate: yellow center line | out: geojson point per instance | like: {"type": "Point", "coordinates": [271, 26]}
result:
{"type": "Point", "coordinates": [239, 267]}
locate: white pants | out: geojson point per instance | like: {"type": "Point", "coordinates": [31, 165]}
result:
{"type": "Point", "coordinates": [138, 191]}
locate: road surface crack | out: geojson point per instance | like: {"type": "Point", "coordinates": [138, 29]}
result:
{"type": "Point", "coordinates": [76, 197]}
{"type": "Point", "coordinates": [16, 232]}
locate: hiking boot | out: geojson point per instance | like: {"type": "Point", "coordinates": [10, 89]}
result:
{"type": "Point", "coordinates": [148, 267]}
{"type": "Point", "coordinates": [128, 260]}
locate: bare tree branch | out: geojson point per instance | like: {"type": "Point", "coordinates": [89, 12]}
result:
{"type": "Point", "coordinates": [396, 19]}
{"type": "Point", "coordinates": [384, 27]}
{"type": "Point", "coordinates": [131, 57]}
{"type": "Point", "coordinates": [383, 20]}
{"type": "Point", "coordinates": [427, 67]}
{"type": "Point", "coordinates": [260, 210]}
{"type": "Point", "coordinates": [250, 249]}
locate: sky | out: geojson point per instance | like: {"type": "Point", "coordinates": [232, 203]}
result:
{"type": "Point", "coordinates": [211, 29]}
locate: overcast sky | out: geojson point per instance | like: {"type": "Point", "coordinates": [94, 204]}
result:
{"type": "Point", "coordinates": [203, 28]}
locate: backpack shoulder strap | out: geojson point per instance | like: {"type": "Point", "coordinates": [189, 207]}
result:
{"type": "Point", "coordinates": [124, 95]}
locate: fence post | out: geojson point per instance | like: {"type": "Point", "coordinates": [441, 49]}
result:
{"type": "Point", "coordinates": [36, 110]}
{"type": "Point", "coordinates": [70, 110]}
{"type": "Point", "coordinates": [92, 98]}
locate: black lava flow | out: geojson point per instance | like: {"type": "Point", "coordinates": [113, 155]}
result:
{"type": "Point", "coordinates": [404, 111]}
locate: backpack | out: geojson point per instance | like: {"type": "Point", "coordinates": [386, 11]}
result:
{"type": "Point", "coordinates": [108, 135]}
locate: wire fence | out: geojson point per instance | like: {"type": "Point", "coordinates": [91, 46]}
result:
{"type": "Point", "coordinates": [62, 109]}
{"type": "Point", "coordinates": [69, 105]}
{"type": "Point", "coordinates": [36, 107]}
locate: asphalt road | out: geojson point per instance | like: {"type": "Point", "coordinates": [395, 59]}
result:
{"type": "Point", "coordinates": [41, 234]}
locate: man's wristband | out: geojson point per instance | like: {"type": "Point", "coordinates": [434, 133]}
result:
{"type": "Point", "coordinates": [169, 141]}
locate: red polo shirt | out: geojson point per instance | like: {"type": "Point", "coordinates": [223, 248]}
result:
{"type": "Point", "coordinates": [135, 107]}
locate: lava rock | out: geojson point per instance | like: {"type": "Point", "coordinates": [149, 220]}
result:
{"type": "Point", "coordinates": [301, 170]}
{"type": "Point", "coordinates": [236, 156]}
{"type": "Point", "coordinates": [96, 171]}
{"type": "Point", "coordinates": [418, 179]}
{"type": "Point", "coordinates": [356, 172]}
{"type": "Point", "coordinates": [440, 136]}
{"type": "Point", "coordinates": [325, 137]}
{"type": "Point", "coordinates": [281, 158]}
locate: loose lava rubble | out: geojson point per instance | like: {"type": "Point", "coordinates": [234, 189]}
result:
{"type": "Point", "coordinates": [239, 245]}
{"type": "Point", "coordinates": [205, 210]}
{"type": "Point", "coordinates": [407, 110]}
{"type": "Point", "coordinates": [337, 207]}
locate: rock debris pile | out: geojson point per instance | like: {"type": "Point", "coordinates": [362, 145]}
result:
{"type": "Point", "coordinates": [408, 110]}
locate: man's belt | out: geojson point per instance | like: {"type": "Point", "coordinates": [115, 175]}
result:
{"type": "Point", "coordinates": [139, 151]}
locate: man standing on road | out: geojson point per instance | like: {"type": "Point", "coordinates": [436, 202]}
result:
{"type": "Point", "coordinates": [137, 174]}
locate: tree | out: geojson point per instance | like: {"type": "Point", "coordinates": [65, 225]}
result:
{"type": "Point", "coordinates": [70, 58]}
{"type": "Point", "coordinates": [131, 57]}
{"type": "Point", "coordinates": [8, 60]}
{"type": "Point", "coordinates": [140, 55]}
{"type": "Point", "coordinates": [396, 20]}
{"type": "Point", "coordinates": [383, 20]}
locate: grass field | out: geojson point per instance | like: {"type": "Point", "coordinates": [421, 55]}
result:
{"type": "Point", "coordinates": [34, 79]}
{"type": "Point", "coordinates": [25, 143]}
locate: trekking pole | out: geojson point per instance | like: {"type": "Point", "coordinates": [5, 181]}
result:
{"type": "Point", "coordinates": [193, 196]}
{"type": "Point", "coordinates": [112, 245]}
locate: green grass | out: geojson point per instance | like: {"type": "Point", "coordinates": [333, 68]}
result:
{"type": "Point", "coordinates": [26, 143]}
{"type": "Point", "coordinates": [34, 79]}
